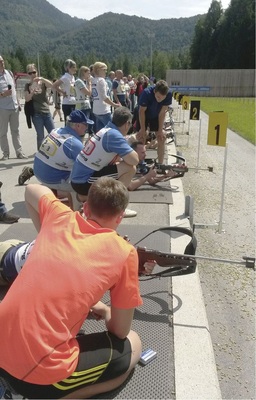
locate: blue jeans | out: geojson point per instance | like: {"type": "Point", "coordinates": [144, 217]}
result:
{"type": "Point", "coordinates": [41, 121]}
{"type": "Point", "coordinates": [101, 121]}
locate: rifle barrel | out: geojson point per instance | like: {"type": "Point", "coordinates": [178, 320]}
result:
{"type": "Point", "coordinates": [249, 262]}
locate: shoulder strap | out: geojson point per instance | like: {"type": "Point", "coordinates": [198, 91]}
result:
{"type": "Point", "coordinates": [191, 246]}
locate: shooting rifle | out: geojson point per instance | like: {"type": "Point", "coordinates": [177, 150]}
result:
{"type": "Point", "coordinates": [178, 264]}
{"type": "Point", "coordinates": [179, 167]}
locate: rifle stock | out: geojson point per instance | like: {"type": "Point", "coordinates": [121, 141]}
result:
{"type": "Point", "coordinates": [179, 264]}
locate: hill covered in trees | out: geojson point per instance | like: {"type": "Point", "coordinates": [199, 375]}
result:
{"type": "Point", "coordinates": [33, 29]}
{"type": "Point", "coordinates": [37, 26]}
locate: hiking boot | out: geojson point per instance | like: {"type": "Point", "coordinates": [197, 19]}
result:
{"type": "Point", "coordinates": [26, 174]}
{"type": "Point", "coordinates": [8, 218]}
{"type": "Point", "coordinates": [129, 213]}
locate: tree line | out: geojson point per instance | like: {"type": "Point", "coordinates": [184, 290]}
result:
{"type": "Point", "coordinates": [222, 39]}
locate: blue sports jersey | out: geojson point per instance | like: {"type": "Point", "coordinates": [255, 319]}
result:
{"type": "Point", "coordinates": [56, 156]}
{"type": "Point", "coordinates": [101, 150]}
{"type": "Point", "coordinates": [147, 99]}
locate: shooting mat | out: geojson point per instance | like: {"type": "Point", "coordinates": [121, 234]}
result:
{"type": "Point", "coordinates": [152, 321]}
{"type": "Point", "coordinates": [159, 193]}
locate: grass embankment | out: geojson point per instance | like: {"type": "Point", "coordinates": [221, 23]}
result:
{"type": "Point", "coordinates": [241, 113]}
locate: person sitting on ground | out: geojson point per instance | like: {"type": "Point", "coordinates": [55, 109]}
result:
{"type": "Point", "coordinates": [101, 155]}
{"type": "Point", "coordinates": [56, 156]}
{"type": "Point", "coordinates": [5, 216]}
{"type": "Point", "coordinates": [153, 104]}
{"type": "Point", "coordinates": [148, 174]}
{"type": "Point", "coordinates": [56, 291]}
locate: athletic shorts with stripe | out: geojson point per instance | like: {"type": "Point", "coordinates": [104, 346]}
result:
{"type": "Point", "coordinates": [102, 357]}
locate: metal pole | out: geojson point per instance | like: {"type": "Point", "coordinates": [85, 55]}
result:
{"type": "Point", "coordinates": [223, 188]}
{"type": "Point", "coordinates": [199, 141]}
{"type": "Point", "coordinates": [188, 131]}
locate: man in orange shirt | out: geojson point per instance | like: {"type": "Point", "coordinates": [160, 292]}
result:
{"type": "Point", "coordinates": [61, 282]}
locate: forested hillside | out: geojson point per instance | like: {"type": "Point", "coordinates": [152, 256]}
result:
{"type": "Point", "coordinates": [37, 26]}
{"type": "Point", "coordinates": [31, 25]}
{"type": "Point", "coordinates": [34, 29]}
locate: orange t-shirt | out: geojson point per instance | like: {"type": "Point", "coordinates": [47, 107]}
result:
{"type": "Point", "coordinates": [73, 263]}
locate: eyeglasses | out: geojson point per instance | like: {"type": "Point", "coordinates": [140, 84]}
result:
{"type": "Point", "coordinates": [31, 72]}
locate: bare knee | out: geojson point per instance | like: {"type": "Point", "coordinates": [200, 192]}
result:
{"type": "Point", "coordinates": [136, 347]}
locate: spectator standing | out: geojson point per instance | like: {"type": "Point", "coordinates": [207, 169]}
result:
{"type": "Point", "coordinates": [127, 92]}
{"type": "Point", "coordinates": [101, 99]}
{"type": "Point", "coordinates": [9, 113]}
{"type": "Point", "coordinates": [109, 80]}
{"type": "Point", "coordinates": [36, 90]}
{"type": "Point", "coordinates": [132, 86]}
{"type": "Point", "coordinates": [118, 87]}
{"type": "Point", "coordinates": [66, 87]}
{"type": "Point", "coordinates": [83, 88]}
{"type": "Point", "coordinates": [142, 83]}
{"type": "Point", "coordinates": [57, 103]}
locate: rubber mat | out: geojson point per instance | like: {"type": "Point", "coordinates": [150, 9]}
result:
{"type": "Point", "coordinates": [159, 193]}
{"type": "Point", "coordinates": [152, 321]}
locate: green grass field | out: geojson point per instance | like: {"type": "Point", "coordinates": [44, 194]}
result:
{"type": "Point", "coordinates": [241, 113]}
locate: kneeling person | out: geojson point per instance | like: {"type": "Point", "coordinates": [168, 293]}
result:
{"type": "Point", "coordinates": [56, 290]}
{"type": "Point", "coordinates": [107, 153]}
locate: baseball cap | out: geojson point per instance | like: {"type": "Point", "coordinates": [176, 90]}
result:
{"type": "Point", "coordinates": [78, 117]}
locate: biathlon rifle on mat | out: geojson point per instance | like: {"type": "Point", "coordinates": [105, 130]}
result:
{"type": "Point", "coordinates": [179, 167]}
{"type": "Point", "coordinates": [178, 264]}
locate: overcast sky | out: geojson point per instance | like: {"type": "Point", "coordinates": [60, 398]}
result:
{"type": "Point", "coordinates": [142, 8]}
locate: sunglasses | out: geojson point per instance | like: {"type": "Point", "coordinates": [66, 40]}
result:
{"type": "Point", "coordinates": [32, 72]}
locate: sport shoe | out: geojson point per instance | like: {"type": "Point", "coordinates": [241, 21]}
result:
{"type": "Point", "coordinates": [26, 174]}
{"type": "Point", "coordinates": [8, 218]}
{"type": "Point", "coordinates": [5, 157]}
{"type": "Point", "coordinates": [129, 213]}
{"type": "Point", "coordinates": [21, 155]}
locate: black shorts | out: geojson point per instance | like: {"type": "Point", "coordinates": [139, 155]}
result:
{"type": "Point", "coordinates": [83, 188]}
{"type": "Point", "coordinates": [152, 124]}
{"type": "Point", "coordinates": [102, 357]}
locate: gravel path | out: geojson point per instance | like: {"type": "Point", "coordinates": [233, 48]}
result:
{"type": "Point", "coordinates": [228, 288]}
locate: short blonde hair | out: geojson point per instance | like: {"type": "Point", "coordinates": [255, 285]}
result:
{"type": "Point", "coordinates": [31, 66]}
{"type": "Point", "coordinates": [69, 64]}
{"type": "Point", "coordinates": [97, 66]}
{"type": "Point", "coordinates": [82, 70]}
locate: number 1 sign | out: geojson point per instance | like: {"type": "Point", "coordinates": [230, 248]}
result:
{"type": "Point", "coordinates": [217, 128]}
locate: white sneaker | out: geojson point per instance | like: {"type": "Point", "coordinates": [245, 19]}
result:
{"type": "Point", "coordinates": [129, 213]}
